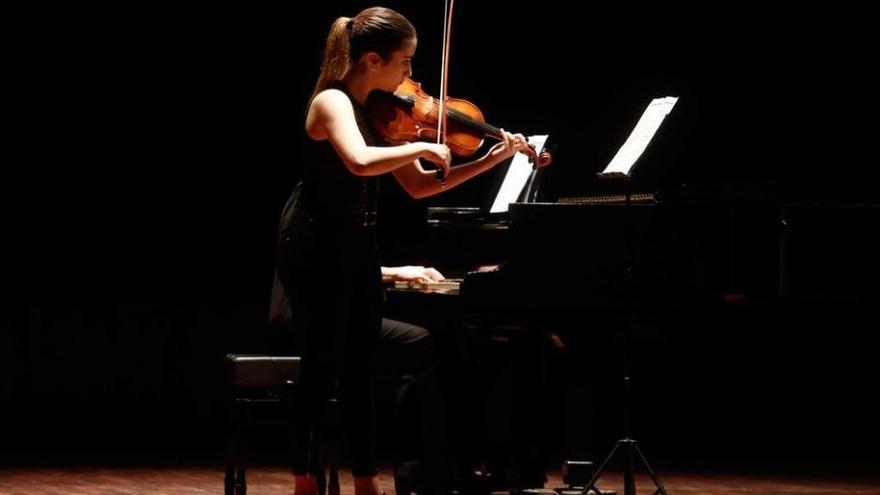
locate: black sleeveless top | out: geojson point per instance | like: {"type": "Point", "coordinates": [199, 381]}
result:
{"type": "Point", "coordinates": [328, 193]}
{"type": "Point", "coordinates": [327, 222]}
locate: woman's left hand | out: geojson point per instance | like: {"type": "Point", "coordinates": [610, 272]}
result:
{"type": "Point", "coordinates": [509, 145]}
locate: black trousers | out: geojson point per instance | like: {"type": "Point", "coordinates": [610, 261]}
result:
{"type": "Point", "coordinates": [407, 376]}
{"type": "Point", "coordinates": [333, 280]}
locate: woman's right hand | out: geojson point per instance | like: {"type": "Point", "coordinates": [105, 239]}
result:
{"type": "Point", "coordinates": [439, 155]}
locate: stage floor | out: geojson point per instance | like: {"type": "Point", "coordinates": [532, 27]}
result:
{"type": "Point", "coordinates": [271, 480]}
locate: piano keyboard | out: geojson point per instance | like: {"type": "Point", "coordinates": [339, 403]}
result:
{"type": "Point", "coordinates": [608, 198]}
{"type": "Point", "coordinates": [448, 285]}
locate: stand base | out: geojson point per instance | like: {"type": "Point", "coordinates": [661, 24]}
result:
{"type": "Point", "coordinates": [630, 449]}
{"type": "Point", "coordinates": [569, 490]}
{"type": "Point", "coordinates": [579, 490]}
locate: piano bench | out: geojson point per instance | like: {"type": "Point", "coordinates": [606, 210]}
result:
{"type": "Point", "coordinates": [261, 391]}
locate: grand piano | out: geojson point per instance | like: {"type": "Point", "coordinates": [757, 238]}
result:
{"type": "Point", "coordinates": [542, 297]}
{"type": "Point", "coordinates": [539, 297]}
{"type": "Point", "coordinates": [700, 260]}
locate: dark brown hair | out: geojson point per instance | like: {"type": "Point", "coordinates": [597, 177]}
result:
{"type": "Point", "coordinates": [377, 29]}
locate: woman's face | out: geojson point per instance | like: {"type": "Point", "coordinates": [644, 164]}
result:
{"type": "Point", "coordinates": [396, 68]}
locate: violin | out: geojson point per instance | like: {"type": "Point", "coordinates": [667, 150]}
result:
{"type": "Point", "coordinates": [411, 114]}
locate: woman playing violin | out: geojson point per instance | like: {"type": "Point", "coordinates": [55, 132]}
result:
{"type": "Point", "coordinates": [327, 250]}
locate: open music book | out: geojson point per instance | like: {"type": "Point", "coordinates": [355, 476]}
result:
{"type": "Point", "coordinates": [622, 163]}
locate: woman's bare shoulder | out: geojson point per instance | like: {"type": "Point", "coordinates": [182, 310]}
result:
{"type": "Point", "coordinates": [326, 106]}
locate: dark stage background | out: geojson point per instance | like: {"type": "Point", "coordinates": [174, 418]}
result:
{"type": "Point", "coordinates": [155, 148]}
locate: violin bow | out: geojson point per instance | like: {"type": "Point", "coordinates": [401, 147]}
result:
{"type": "Point", "coordinates": [544, 158]}
{"type": "Point", "coordinates": [448, 5]}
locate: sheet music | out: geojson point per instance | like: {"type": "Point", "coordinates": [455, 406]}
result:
{"type": "Point", "coordinates": [517, 176]}
{"type": "Point", "coordinates": [639, 138]}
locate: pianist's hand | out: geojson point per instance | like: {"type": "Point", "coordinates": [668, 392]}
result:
{"type": "Point", "coordinates": [418, 274]}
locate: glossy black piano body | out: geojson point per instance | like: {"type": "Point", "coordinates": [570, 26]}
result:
{"type": "Point", "coordinates": [561, 294]}
{"type": "Point", "coordinates": [738, 293]}
{"type": "Point", "coordinates": [568, 258]}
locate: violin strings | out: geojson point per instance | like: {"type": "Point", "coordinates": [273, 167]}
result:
{"type": "Point", "coordinates": [458, 117]}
